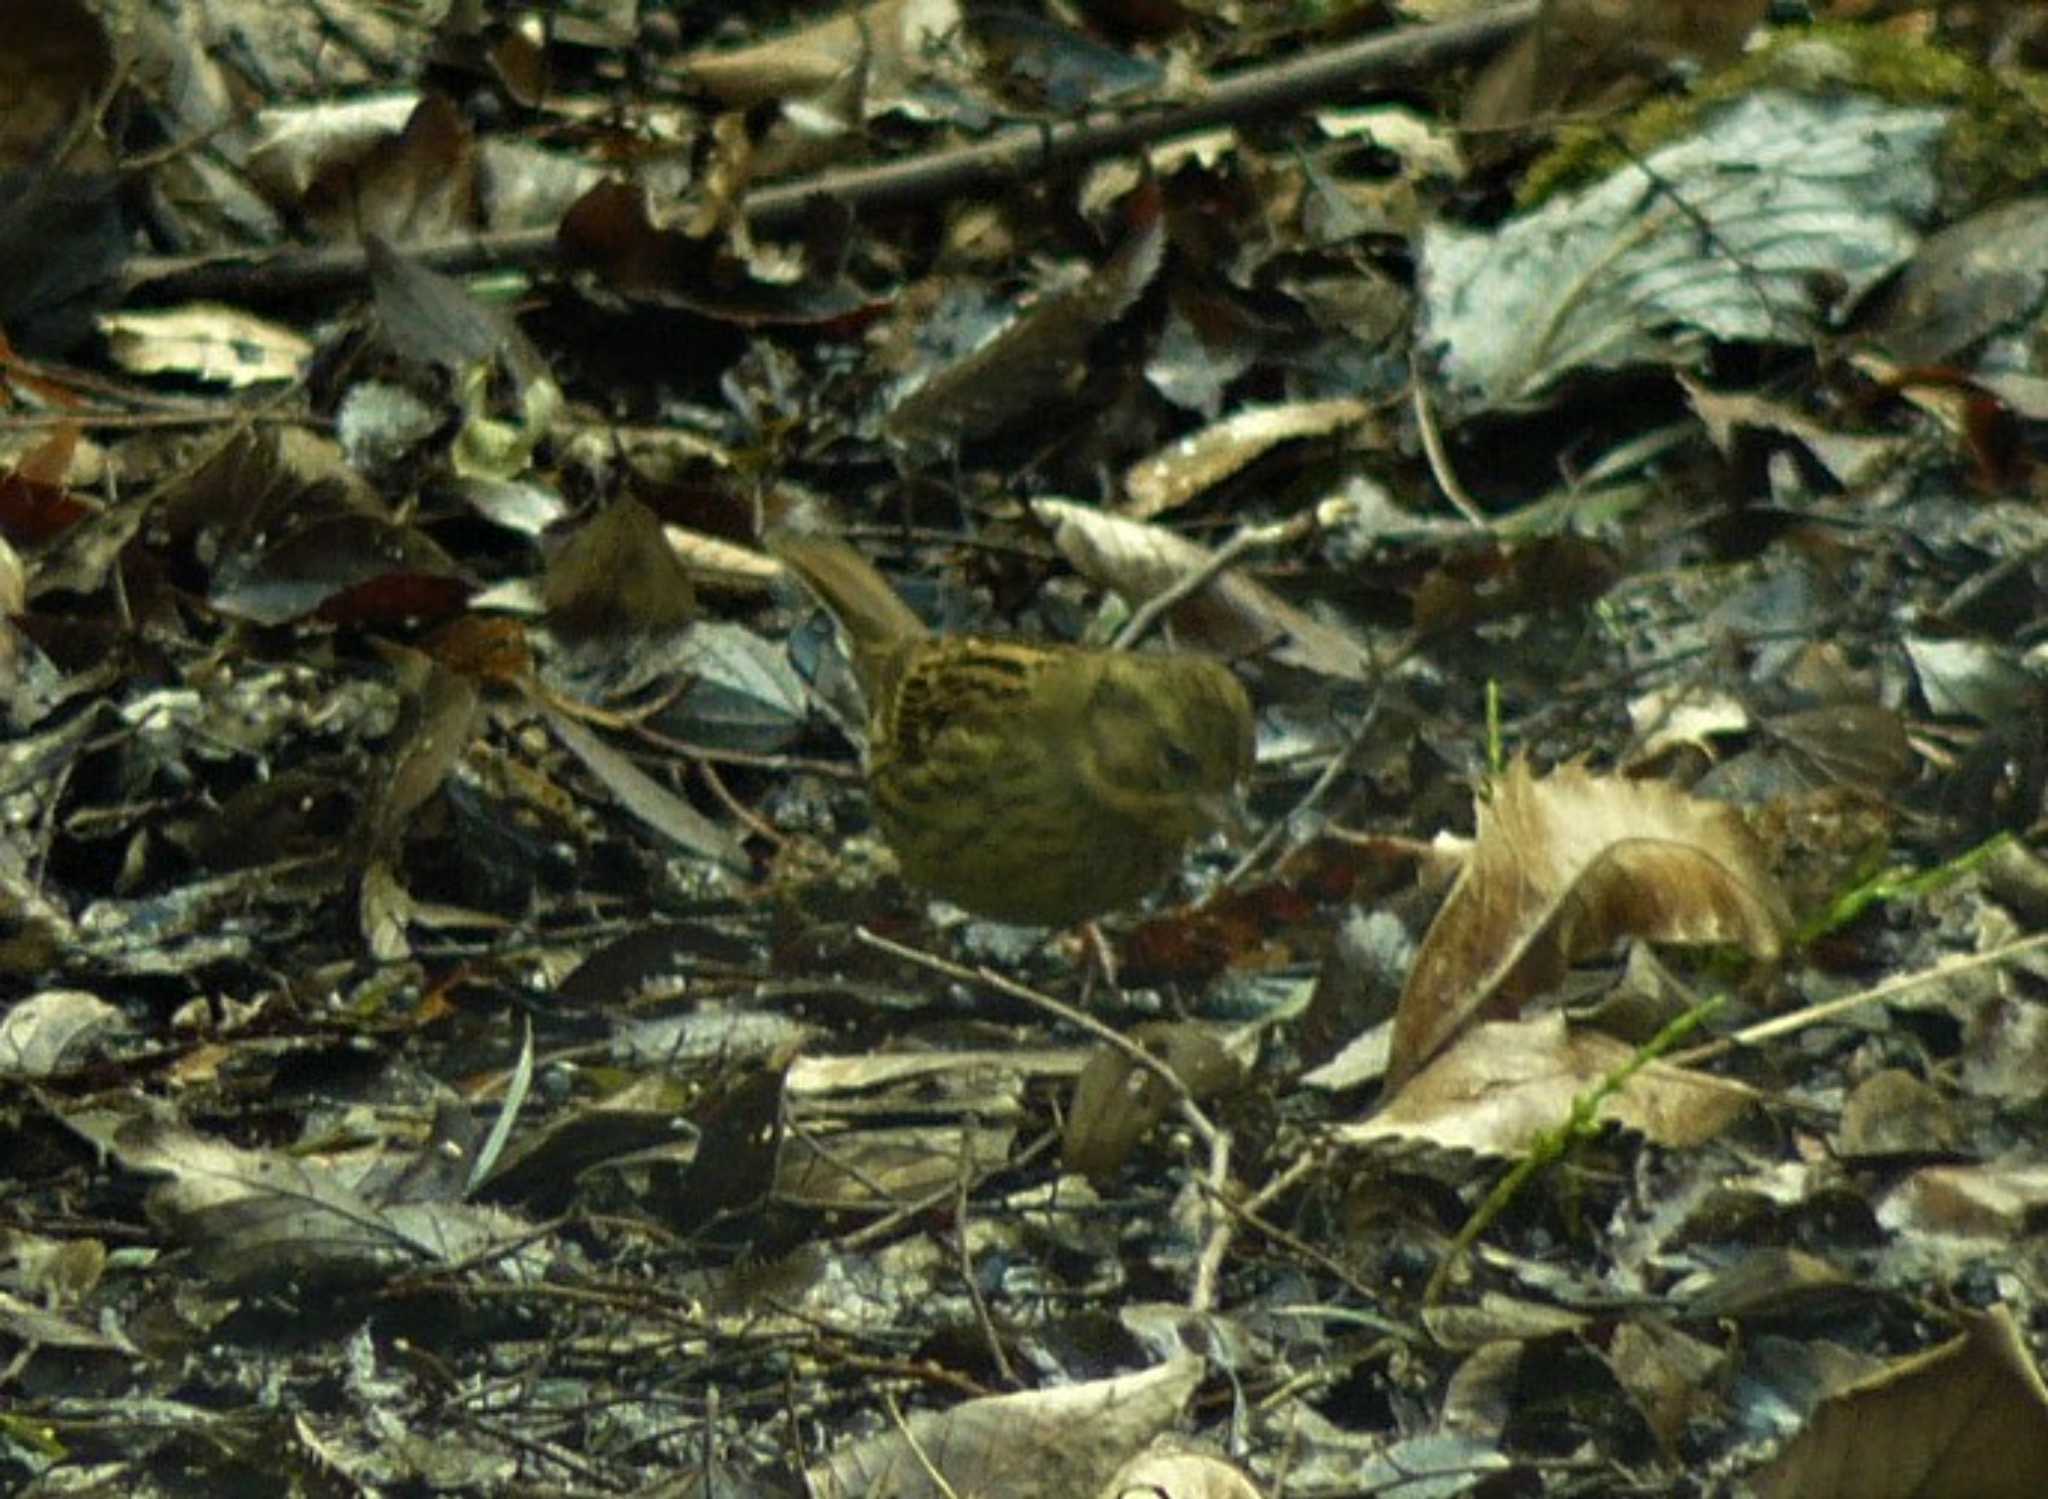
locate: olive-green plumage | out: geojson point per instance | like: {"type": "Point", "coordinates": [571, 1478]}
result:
{"type": "Point", "coordinates": [1026, 781]}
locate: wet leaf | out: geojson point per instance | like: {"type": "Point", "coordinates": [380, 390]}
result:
{"type": "Point", "coordinates": [347, 567]}
{"type": "Point", "coordinates": [655, 805]}
{"type": "Point", "coordinates": [420, 183]}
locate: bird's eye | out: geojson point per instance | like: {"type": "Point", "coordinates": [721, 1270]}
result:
{"type": "Point", "coordinates": [1181, 763]}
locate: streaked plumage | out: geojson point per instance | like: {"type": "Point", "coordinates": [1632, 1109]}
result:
{"type": "Point", "coordinates": [1030, 782]}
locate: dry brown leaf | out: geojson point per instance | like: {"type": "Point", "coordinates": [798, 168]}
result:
{"type": "Point", "coordinates": [1116, 1101]}
{"type": "Point", "coordinates": [1231, 615]}
{"type": "Point", "coordinates": [1563, 868]}
{"type": "Point", "coordinates": [1967, 1418]}
{"type": "Point", "coordinates": [1894, 1113]}
{"type": "Point", "coordinates": [1040, 356]}
{"type": "Point", "coordinates": [1172, 476]}
{"type": "Point", "coordinates": [1769, 1282]}
{"type": "Point", "coordinates": [1997, 1200]}
{"type": "Point", "coordinates": [617, 580]}
{"type": "Point", "coordinates": [1062, 1441]}
{"type": "Point", "coordinates": [1495, 1320]}
{"type": "Point", "coordinates": [419, 184]}
{"type": "Point", "coordinates": [1179, 1475]}
{"type": "Point", "coordinates": [1589, 56]}
{"type": "Point", "coordinates": [1729, 416]}
{"type": "Point", "coordinates": [1672, 1378]}
{"type": "Point", "coordinates": [890, 42]}
{"type": "Point", "coordinates": [863, 1169]}
{"type": "Point", "coordinates": [1507, 1081]}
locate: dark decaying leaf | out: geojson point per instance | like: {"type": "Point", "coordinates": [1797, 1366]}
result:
{"type": "Point", "coordinates": [55, 59]}
{"type": "Point", "coordinates": [63, 233]}
{"type": "Point", "coordinates": [545, 1166]}
{"type": "Point", "coordinates": [1038, 358]}
{"type": "Point", "coordinates": [739, 1138]}
{"type": "Point", "coordinates": [348, 567]}
{"type": "Point", "coordinates": [617, 581]}
{"type": "Point", "coordinates": [611, 233]}
{"type": "Point", "coordinates": [419, 184]}
{"type": "Point", "coordinates": [1499, 581]}
{"type": "Point", "coordinates": [303, 813]}
{"type": "Point", "coordinates": [198, 922]}
{"type": "Point", "coordinates": [441, 716]}
{"type": "Point", "coordinates": [35, 505]}
{"type": "Point", "coordinates": [658, 958]}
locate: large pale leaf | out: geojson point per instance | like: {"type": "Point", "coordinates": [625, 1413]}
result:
{"type": "Point", "coordinates": [1745, 231]}
{"type": "Point", "coordinates": [1564, 867]}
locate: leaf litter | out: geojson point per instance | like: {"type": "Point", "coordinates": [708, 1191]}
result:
{"type": "Point", "coordinates": [460, 1028]}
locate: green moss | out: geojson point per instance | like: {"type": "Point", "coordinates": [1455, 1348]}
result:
{"type": "Point", "coordinates": [1996, 144]}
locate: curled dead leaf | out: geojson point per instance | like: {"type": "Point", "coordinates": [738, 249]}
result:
{"type": "Point", "coordinates": [1169, 478]}
{"type": "Point", "coordinates": [1231, 615]}
{"type": "Point", "coordinates": [1967, 1417]}
{"type": "Point", "coordinates": [1562, 868]}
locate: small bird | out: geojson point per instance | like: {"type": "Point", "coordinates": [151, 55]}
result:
{"type": "Point", "coordinates": [1026, 781]}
